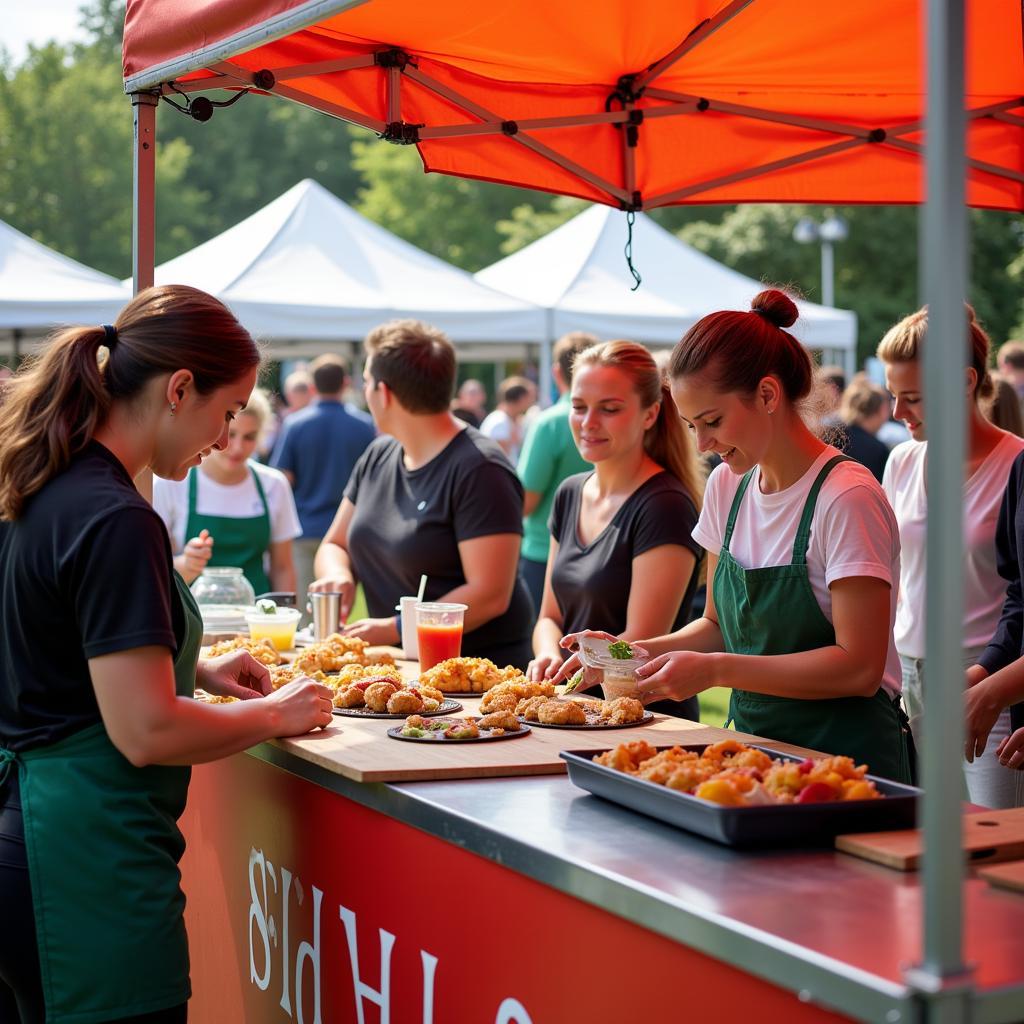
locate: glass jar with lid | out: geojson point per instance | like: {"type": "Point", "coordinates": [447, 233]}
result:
{"type": "Point", "coordinates": [223, 585]}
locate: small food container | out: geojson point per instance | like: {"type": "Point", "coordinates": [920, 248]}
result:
{"type": "Point", "coordinates": [618, 674]}
{"type": "Point", "coordinates": [277, 626]}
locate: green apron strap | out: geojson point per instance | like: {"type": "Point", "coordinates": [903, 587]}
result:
{"type": "Point", "coordinates": [259, 491]}
{"type": "Point", "coordinates": [803, 532]}
{"type": "Point", "coordinates": [734, 510]}
{"type": "Point", "coordinates": [193, 488]}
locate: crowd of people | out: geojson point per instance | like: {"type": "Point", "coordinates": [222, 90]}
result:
{"type": "Point", "coordinates": [738, 517]}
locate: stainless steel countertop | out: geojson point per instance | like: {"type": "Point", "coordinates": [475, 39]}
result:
{"type": "Point", "coordinates": [834, 928]}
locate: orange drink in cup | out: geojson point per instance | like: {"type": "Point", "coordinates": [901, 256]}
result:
{"type": "Point", "coordinates": [438, 632]}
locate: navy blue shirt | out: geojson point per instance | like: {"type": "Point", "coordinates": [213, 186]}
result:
{"type": "Point", "coordinates": [319, 446]}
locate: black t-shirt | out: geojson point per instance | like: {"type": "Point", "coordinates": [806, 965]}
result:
{"type": "Point", "coordinates": [410, 522]}
{"type": "Point", "coordinates": [85, 571]}
{"type": "Point", "coordinates": [865, 448]}
{"type": "Point", "coordinates": [592, 583]}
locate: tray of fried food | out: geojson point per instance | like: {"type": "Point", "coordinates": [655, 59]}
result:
{"type": "Point", "coordinates": [376, 694]}
{"type": "Point", "coordinates": [583, 712]}
{"type": "Point", "coordinates": [262, 650]}
{"type": "Point", "coordinates": [500, 725]}
{"type": "Point", "coordinates": [336, 652]}
{"type": "Point", "coordinates": [744, 795]}
{"type": "Point", "coordinates": [457, 676]}
{"type": "Point", "coordinates": [507, 696]}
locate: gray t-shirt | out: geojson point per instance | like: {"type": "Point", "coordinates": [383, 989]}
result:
{"type": "Point", "coordinates": [410, 522]}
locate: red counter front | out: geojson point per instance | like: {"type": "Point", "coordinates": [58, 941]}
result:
{"type": "Point", "coordinates": [306, 906]}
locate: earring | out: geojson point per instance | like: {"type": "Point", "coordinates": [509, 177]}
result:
{"type": "Point", "coordinates": [174, 405]}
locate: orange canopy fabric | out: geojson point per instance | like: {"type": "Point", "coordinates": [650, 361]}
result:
{"type": "Point", "coordinates": [636, 104]}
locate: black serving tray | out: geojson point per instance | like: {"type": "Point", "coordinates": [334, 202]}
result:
{"type": "Point", "coordinates": [782, 825]}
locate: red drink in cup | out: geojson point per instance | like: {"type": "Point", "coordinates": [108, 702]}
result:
{"type": "Point", "coordinates": [438, 632]}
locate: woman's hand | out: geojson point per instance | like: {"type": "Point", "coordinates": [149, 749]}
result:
{"type": "Point", "coordinates": [677, 676]}
{"type": "Point", "coordinates": [591, 677]}
{"type": "Point", "coordinates": [981, 711]}
{"type": "Point", "coordinates": [374, 631]}
{"type": "Point", "coordinates": [544, 666]}
{"type": "Point", "coordinates": [302, 706]}
{"type": "Point", "coordinates": [195, 555]}
{"type": "Point", "coordinates": [235, 674]}
{"type": "Point", "coordinates": [337, 585]}
{"type": "Point", "coordinates": [1011, 751]}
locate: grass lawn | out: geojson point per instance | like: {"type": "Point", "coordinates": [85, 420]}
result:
{"type": "Point", "coordinates": [714, 706]}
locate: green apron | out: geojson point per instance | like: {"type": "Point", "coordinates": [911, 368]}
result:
{"type": "Point", "coordinates": [240, 542]}
{"type": "Point", "coordinates": [773, 610]}
{"type": "Point", "coordinates": [103, 845]}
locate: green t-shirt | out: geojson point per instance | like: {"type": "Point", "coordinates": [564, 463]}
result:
{"type": "Point", "coordinates": [549, 455]}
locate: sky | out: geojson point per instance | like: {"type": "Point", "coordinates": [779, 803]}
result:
{"type": "Point", "coordinates": [37, 21]}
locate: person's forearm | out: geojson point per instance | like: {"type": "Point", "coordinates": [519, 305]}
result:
{"type": "Point", "coordinates": [818, 674]}
{"type": "Point", "coordinates": [191, 732]}
{"type": "Point", "coordinates": [546, 635]}
{"type": "Point", "coordinates": [333, 560]}
{"type": "Point", "coordinates": [282, 578]}
{"type": "Point", "coordinates": [484, 603]}
{"type": "Point", "coordinates": [187, 574]}
{"type": "Point", "coordinates": [1006, 686]}
{"type": "Point", "coordinates": [702, 635]}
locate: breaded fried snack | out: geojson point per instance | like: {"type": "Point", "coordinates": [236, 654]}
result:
{"type": "Point", "coordinates": [561, 712]}
{"type": "Point", "coordinates": [404, 702]}
{"type": "Point", "coordinates": [499, 720]}
{"type": "Point", "coordinates": [377, 696]}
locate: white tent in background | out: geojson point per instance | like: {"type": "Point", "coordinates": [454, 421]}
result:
{"type": "Point", "coordinates": [307, 267]}
{"type": "Point", "coordinates": [578, 274]}
{"type": "Point", "coordinates": [41, 289]}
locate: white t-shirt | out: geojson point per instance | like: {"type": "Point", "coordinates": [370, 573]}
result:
{"type": "Point", "coordinates": [853, 532]}
{"type": "Point", "coordinates": [499, 426]}
{"type": "Point", "coordinates": [170, 499]}
{"type": "Point", "coordinates": [984, 589]}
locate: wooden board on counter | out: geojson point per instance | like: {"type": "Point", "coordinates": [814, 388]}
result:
{"type": "Point", "coordinates": [1005, 876]}
{"type": "Point", "coordinates": [989, 836]}
{"type": "Point", "coordinates": [359, 749]}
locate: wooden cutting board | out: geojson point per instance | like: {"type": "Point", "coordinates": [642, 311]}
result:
{"type": "Point", "coordinates": [989, 836]}
{"type": "Point", "coordinates": [1005, 876]}
{"type": "Point", "coordinates": [359, 749]}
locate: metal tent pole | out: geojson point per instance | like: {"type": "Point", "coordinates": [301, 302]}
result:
{"type": "Point", "coordinates": [942, 975]}
{"type": "Point", "coordinates": [143, 190]}
{"type": "Point", "coordinates": [544, 362]}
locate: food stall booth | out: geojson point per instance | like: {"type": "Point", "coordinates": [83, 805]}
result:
{"type": "Point", "coordinates": [344, 877]}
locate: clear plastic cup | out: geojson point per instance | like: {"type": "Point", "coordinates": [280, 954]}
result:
{"type": "Point", "coordinates": [438, 632]}
{"type": "Point", "coordinates": [618, 675]}
{"type": "Point", "coordinates": [278, 626]}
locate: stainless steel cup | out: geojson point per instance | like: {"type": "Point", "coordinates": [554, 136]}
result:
{"type": "Point", "coordinates": [326, 609]}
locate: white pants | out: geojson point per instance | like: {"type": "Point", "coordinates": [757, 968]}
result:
{"type": "Point", "coordinates": [989, 783]}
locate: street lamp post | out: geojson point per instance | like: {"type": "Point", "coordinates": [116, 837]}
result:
{"type": "Point", "coordinates": [829, 231]}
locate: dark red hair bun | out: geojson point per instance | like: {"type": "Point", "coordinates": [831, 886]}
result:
{"type": "Point", "coordinates": [776, 307]}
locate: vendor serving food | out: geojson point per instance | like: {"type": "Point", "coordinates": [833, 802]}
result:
{"type": "Point", "coordinates": [803, 555]}
{"type": "Point", "coordinates": [430, 496]}
{"type": "Point", "coordinates": [99, 659]}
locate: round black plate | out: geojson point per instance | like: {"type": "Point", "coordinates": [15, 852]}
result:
{"type": "Point", "coordinates": [448, 707]}
{"type": "Point", "coordinates": [395, 732]}
{"type": "Point", "coordinates": [648, 717]}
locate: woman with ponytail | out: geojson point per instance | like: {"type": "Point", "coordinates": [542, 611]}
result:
{"type": "Point", "coordinates": [622, 557]}
{"type": "Point", "coordinates": [803, 555]}
{"type": "Point", "coordinates": [99, 644]}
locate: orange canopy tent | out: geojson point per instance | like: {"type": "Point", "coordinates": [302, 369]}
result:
{"type": "Point", "coordinates": [637, 105]}
{"type": "Point", "coordinates": [647, 103]}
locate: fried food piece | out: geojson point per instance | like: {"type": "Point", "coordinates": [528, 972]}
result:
{"type": "Point", "coordinates": [403, 702]}
{"type": "Point", "coordinates": [378, 694]}
{"type": "Point", "coordinates": [723, 749]}
{"type": "Point", "coordinates": [348, 697]}
{"type": "Point", "coordinates": [469, 675]}
{"type": "Point", "coordinates": [561, 712]}
{"type": "Point", "coordinates": [462, 730]}
{"type": "Point", "coordinates": [720, 791]}
{"type": "Point", "coordinates": [428, 692]}
{"type": "Point", "coordinates": [262, 650]}
{"type": "Point", "coordinates": [418, 722]}
{"type": "Point", "coordinates": [627, 757]}
{"type": "Point", "coordinates": [496, 698]}
{"type": "Point", "coordinates": [621, 711]}
{"type": "Point", "coordinates": [363, 673]}
{"type": "Point", "coordinates": [528, 706]}
{"type": "Point", "coordinates": [209, 698]}
{"type": "Point", "coordinates": [337, 651]}
{"type": "Point", "coordinates": [499, 720]}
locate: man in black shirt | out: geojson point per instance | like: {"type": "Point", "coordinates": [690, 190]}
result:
{"type": "Point", "coordinates": [432, 496]}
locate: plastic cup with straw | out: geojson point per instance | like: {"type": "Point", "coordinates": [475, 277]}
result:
{"type": "Point", "coordinates": [407, 608]}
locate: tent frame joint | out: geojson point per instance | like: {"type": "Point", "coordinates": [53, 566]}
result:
{"type": "Point", "coordinates": [402, 133]}
{"type": "Point", "coordinates": [393, 57]}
